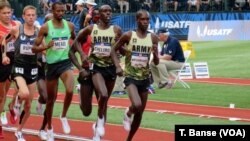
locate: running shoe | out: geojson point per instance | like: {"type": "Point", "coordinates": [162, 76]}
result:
{"type": "Point", "coordinates": [4, 118]}
{"type": "Point", "coordinates": [50, 135]}
{"type": "Point", "coordinates": [39, 108]}
{"type": "Point", "coordinates": [43, 135]}
{"type": "Point", "coordinates": [19, 136]}
{"type": "Point", "coordinates": [17, 107]}
{"type": "Point", "coordinates": [12, 116]}
{"type": "Point", "coordinates": [127, 121]}
{"type": "Point", "coordinates": [65, 125]}
{"type": "Point", "coordinates": [100, 126]}
{"type": "Point", "coordinates": [96, 136]}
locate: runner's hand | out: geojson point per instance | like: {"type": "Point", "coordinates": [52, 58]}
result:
{"type": "Point", "coordinates": [6, 60]}
{"type": "Point", "coordinates": [50, 44]}
{"type": "Point", "coordinates": [83, 73]}
{"type": "Point", "coordinates": [119, 71]}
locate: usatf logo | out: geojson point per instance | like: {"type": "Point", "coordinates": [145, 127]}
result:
{"type": "Point", "coordinates": [134, 40]}
{"type": "Point", "coordinates": [204, 32]}
{"type": "Point", "coordinates": [95, 32]}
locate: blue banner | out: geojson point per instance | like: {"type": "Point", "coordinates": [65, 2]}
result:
{"type": "Point", "coordinates": [178, 23]}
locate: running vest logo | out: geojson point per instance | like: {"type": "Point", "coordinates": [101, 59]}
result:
{"type": "Point", "coordinates": [141, 49]}
{"type": "Point", "coordinates": [103, 39]}
{"type": "Point", "coordinates": [213, 32]}
{"type": "Point", "coordinates": [22, 37]}
{"type": "Point", "coordinates": [134, 40]}
{"type": "Point", "coordinates": [95, 32]}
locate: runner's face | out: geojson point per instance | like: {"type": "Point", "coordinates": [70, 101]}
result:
{"type": "Point", "coordinates": [143, 21]}
{"type": "Point", "coordinates": [5, 15]}
{"type": "Point", "coordinates": [96, 16]}
{"type": "Point", "coordinates": [105, 13]}
{"type": "Point", "coordinates": [30, 16]}
{"type": "Point", "coordinates": [58, 12]}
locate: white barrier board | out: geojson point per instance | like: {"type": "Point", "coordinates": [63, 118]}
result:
{"type": "Point", "coordinates": [201, 70]}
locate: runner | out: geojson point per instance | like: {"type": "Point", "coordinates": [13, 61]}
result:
{"type": "Point", "coordinates": [57, 33]}
{"type": "Point", "coordinates": [6, 56]}
{"type": "Point", "coordinates": [24, 71]}
{"type": "Point", "coordinates": [139, 45]}
{"type": "Point", "coordinates": [102, 70]}
{"type": "Point", "coordinates": [41, 85]}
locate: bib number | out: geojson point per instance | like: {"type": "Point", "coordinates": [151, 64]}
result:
{"type": "Point", "coordinates": [34, 71]}
{"type": "Point", "coordinates": [60, 43]}
{"type": "Point", "coordinates": [26, 49]}
{"type": "Point", "coordinates": [102, 49]}
{"type": "Point", "coordinates": [19, 70]}
{"type": "Point", "coordinates": [139, 60]}
{"type": "Point", "coordinates": [10, 46]}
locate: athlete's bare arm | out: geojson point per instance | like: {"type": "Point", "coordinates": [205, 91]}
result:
{"type": "Point", "coordinates": [39, 40]}
{"type": "Point", "coordinates": [72, 29]}
{"type": "Point", "coordinates": [155, 49]}
{"type": "Point", "coordinates": [77, 44]}
{"type": "Point", "coordinates": [125, 38]}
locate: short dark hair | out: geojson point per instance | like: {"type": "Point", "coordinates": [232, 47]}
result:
{"type": "Point", "coordinates": [56, 3]}
{"type": "Point", "coordinates": [139, 13]}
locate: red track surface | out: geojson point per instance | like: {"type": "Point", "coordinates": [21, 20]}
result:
{"type": "Point", "coordinates": [116, 133]}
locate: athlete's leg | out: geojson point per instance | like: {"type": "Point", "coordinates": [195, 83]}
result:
{"type": "Point", "coordinates": [110, 85]}
{"type": "Point", "coordinates": [138, 101]}
{"type": "Point", "coordinates": [26, 94]}
{"type": "Point", "coordinates": [67, 78]}
{"type": "Point", "coordinates": [101, 89]}
{"type": "Point", "coordinates": [41, 86]}
{"type": "Point", "coordinates": [27, 104]}
{"type": "Point", "coordinates": [85, 94]}
{"type": "Point", "coordinates": [52, 88]}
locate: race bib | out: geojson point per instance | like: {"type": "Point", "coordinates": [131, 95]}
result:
{"type": "Point", "coordinates": [26, 49]}
{"type": "Point", "coordinates": [19, 70]}
{"type": "Point", "coordinates": [139, 60]}
{"type": "Point", "coordinates": [34, 71]}
{"type": "Point", "coordinates": [102, 49]}
{"type": "Point", "coordinates": [60, 43]}
{"type": "Point", "coordinates": [10, 46]}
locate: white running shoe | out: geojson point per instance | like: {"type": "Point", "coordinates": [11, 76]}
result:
{"type": "Point", "coordinates": [17, 107]}
{"type": "Point", "coordinates": [43, 135]}
{"type": "Point", "coordinates": [4, 118]}
{"type": "Point", "coordinates": [50, 135]}
{"type": "Point", "coordinates": [100, 126]}
{"type": "Point", "coordinates": [19, 136]}
{"type": "Point", "coordinates": [78, 86]}
{"type": "Point", "coordinates": [39, 108]}
{"type": "Point", "coordinates": [65, 125]}
{"type": "Point", "coordinates": [127, 121]}
{"type": "Point", "coordinates": [96, 136]}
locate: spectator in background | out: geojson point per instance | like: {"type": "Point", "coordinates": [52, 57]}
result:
{"type": "Point", "coordinates": [44, 5]}
{"type": "Point", "coordinates": [195, 3]}
{"type": "Point", "coordinates": [81, 10]}
{"type": "Point", "coordinates": [145, 4]}
{"type": "Point", "coordinates": [205, 5]}
{"type": "Point", "coordinates": [170, 3]}
{"type": "Point", "coordinates": [114, 5]}
{"type": "Point", "coordinates": [123, 3]}
{"type": "Point", "coordinates": [148, 4]}
{"type": "Point", "coordinates": [171, 58]}
{"type": "Point", "coordinates": [182, 5]}
{"type": "Point", "coordinates": [239, 4]}
{"type": "Point", "coordinates": [217, 5]}
{"type": "Point", "coordinates": [90, 6]}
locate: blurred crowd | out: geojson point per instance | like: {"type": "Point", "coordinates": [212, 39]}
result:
{"type": "Point", "coordinates": [128, 6]}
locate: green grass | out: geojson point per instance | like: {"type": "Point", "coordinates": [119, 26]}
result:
{"type": "Point", "coordinates": [159, 121]}
{"type": "Point", "coordinates": [225, 58]}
